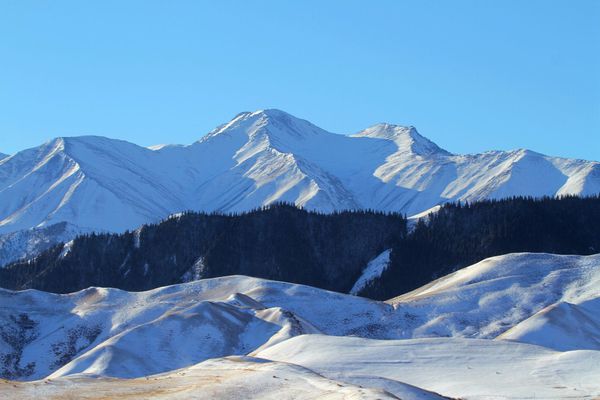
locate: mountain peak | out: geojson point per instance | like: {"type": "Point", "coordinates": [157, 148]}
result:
{"type": "Point", "coordinates": [276, 124]}
{"type": "Point", "coordinates": [272, 115]}
{"type": "Point", "coordinates": [406, 137]}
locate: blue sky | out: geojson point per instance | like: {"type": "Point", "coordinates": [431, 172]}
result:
{"type": "Point", "coordinates": [470, 75]}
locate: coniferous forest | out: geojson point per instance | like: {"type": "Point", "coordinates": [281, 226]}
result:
{"type": "Point", "coordinates": [280, 242]}
{"type": "Point", "coordinates": [459, 235]}
{"type": "Point", "coordinates": [329, 251]}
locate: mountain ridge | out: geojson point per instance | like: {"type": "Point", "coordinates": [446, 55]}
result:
{"type": "Point", "coordinates": [259, 158]}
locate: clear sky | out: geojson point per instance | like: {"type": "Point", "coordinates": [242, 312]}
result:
{"type": "Point", "coordinates": [470, 75]}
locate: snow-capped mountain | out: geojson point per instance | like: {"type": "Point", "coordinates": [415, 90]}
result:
{"type": "Point", "coordinates": [3, 156]}
{"type": "Point", "coordinates": [26, 242]}
{"type": "Point", "coordinates": [259, 158]}
{"type": "Point", "coordinates": [480, 328]}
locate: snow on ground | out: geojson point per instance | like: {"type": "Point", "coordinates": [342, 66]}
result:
{"type": "Point", "coordinates": [226, 378]}
{"type": "Point", "coordinates": [254, 160]}
{"type": "Point", "coordinates": [490, 297]}
{"type": "Point", "coordinates": [259, 158]}
{"type": "Point", "coordinates": [462, 368]}
{"type": "Point", "coordinates": [474, 334]}
{"type": "Point", "coordinates": [109, 331]}
{"type": "Point", "coordinates": [30, 242]}
{"type": "Point", "coordinates": [414, 219]}
{"type": "Point", "coordinates": [561, 326]}
{"type": "Point", "coordinates": [373, 270]}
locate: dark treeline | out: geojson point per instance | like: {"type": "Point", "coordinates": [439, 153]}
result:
{"type": "Point", "coordinates": [280, 242]}
{"type": "Point", "coordinates": [459, 235]}
{"type": "Point", "coordinates": [325, 250]}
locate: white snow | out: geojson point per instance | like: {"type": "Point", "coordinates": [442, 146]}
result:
{"type": "Point", "coordinates": [514, 326]}
{"type": "Point", "coordinates": [414, 219]}
{"type": "Point", "coordinates": [223, 378]}
{"type": "Point", "coordinates": [66, 249]}
{"type": "Point", "coordinates": [30, 242]}
{"type": "Point", "coordinates": [561, 326]}
{"type": "Point", "coordinates": [373, 270]}
{"type": "Point", "coordinates": [487, 299]}
{"type": "Point", "coordinates": [460, 368]}
{"type": "Point", "coordinates": [137, 234]}
{"type": "Point", "coordinates": [137, 334]}
{"type": "Point", "coordinates": [259, 158]}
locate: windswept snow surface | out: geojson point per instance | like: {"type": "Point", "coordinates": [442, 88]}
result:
{"type": "Point", "coordinates": [561, 326]}
{"type": "Point", "coordinates": [109, 332]}
{"type": "Point", "coordinates": [259, 158]}
{"type": "Point", "coordinates": [515, 326]}
{"type": "Point", "coordinates": [461, 368]}
{"type": "Point", "coordinates": [490, 297]}
{"type": "Point", "coordinates": [373, 270]}
{"type": "Point", "coordinates": [225, 378]}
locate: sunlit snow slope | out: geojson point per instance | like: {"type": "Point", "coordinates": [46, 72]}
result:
{"type": "Point", "coordinates": [222, 378]}
{"type": "Point", "coordinates": [259, 158]}
{"type": "Point", "coordinates": [108, 331]}
{"type": "Point", "coordinates": [458, 368]}
{"type": "Point", "coordinates": [127, 334]}
{"type": "Point", "coordinates": [515, 326]}
{"type": "Point", "coordinates": [487, 299]}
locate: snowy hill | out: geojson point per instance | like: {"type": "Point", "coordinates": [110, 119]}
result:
{"type": "Point", "coordinates": [561, 326]}
{"type": "Point", "coordinates": [487, 299]}
{"type": "Point", "coordinates": [3, 156]}
{"type": "Point", "coordinates": [453, 367]}
{"type": "Point", "coordinates": [222, 378]}
{"type": "Point", "coordinates": [108, 331]}
{"type": "Point", "coordinates": [259, 158]}
{"type": "Point", "coordinates": [509, 326]}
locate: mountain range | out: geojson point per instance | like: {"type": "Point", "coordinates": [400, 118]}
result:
{"type": "Point", "coordinates": [204, 270]}
{"type": "Point", "coordinates": [98, 184]}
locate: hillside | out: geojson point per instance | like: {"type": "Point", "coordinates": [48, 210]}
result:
{"type": "Point", "coordinates": [339, 251]}
{"type": "Point", "coordinates": [280, 242]}
{"type": "Point", "coordinates": [260, 158]}
{"type": "Point", "coordinates": [481, 331]}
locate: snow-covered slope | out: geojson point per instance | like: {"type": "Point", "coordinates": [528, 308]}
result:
{"type": "Point", "coordinates": [222, 378]}
{"type": "Point", "coordinates": [3, 156]}
{"type": "Point", "coordinates": [500, 327]}
{"type": "Point", "coordinates": [27, 242]}
{"type": "Point", "coordinates": [459, 368]}
{"type": "Point", "coordinates": [90, 182]}
{"type": "Point", "coordinates": [109, 332]}
{"type": "Point", "coordinates": [100, 331]}
{"type": "Point", "coordinates": [373, 270]}
{"type": "Point", "coordinates": [259, 158]}
{"type": "Point", "coordinates": [561, 326]}
{"type": "Point", "coordinates": [487, 299]}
